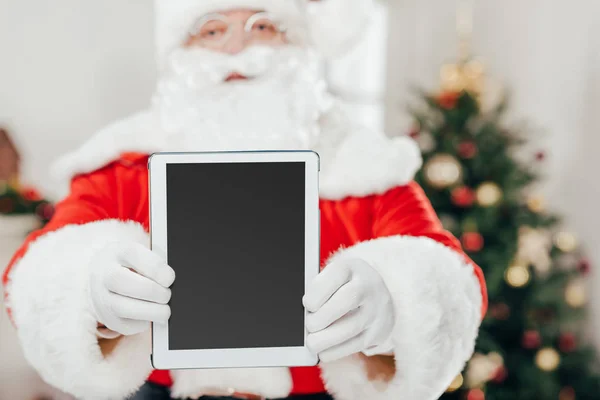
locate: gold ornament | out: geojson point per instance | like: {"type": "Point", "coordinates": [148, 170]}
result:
{"type": "Point", "coordinates": [576, 294]}
{"type": "Point", "coordinates": [3, 186]}
{"type": "Point", "coordinates": [517, 276]}
{"type": "Point", "coordinates": [468, 73]}
{"type": "Point", "coordinates": [537, 204]}
{"type": "Point", "coordinates": [488, 194]}
{"type": "Point", "coordinates": [442, 171]}
{"type": "Point", "coordinates": [456, 384]}
{"type": "Point", "coordinates": [547, 359]}
{"type": "Point", "coordinates": [566, 241]}
{"type": "Point", "coordinates": [481, 369]}
{"type": "Point", "coordinates": [534, 248]}
{"type": "Point", "coordinates": [496, 358]}
{"type": "Point", "coordinates": [464, 76]}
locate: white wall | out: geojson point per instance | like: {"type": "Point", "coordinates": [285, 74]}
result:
{"type": "Point", "coordinates": [67, 67]}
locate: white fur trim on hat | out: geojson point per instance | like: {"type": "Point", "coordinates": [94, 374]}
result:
{"type": "Point", "coordinates": [175, 18]}
{"type": "Point", "coordinates": [331, 27]}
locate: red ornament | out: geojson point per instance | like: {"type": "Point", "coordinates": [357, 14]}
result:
{"type": "Point", "coordinates": [531, 340]}
{"type": "Point", "coordinates": [540, 156]}
{"type": "Point", "coordinates": [500, 375]}
{"type": "Point", "coordinates": [45, 211]}
{"type": "Point", "coordinates": [30, 194]}
{"type": "Point", "coordinates": [584, 266]}
{"type": "Point", "coordinates": [475, 394]}
{"type": "Point", "coordinates": [467, 149]}
{"type": "Point", "coordinates": [463, 196]}
{"type": "Point", "coordinates": [567, 342]}
{"type": "Point", "coordinates": [500, 311]}
{"type": "Point", "coordinates": [567, 393]}
{"type": "Point", "coordinates": [448, 100]}
{"type": "Point", "coordinates": [472, 241]}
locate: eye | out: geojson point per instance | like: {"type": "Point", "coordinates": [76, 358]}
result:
{"type": "Point", "coordinates": [213, 30]}
{"type": "Point", "coordinates": [264, 29]}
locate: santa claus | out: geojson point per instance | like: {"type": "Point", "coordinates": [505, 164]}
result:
{"type": "Point", "coordinates": [396, 310]}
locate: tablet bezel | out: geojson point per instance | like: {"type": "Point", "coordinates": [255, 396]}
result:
{"type": "Point", "coordinates": [163, 358]}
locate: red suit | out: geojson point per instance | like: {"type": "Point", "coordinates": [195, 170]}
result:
{"type": "Point", "coordinates": [370, 209]}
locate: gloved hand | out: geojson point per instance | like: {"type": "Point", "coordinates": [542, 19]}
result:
{"type": "Point", "coordinates": [129, 287]}
{"type": "Point", "coordinates": [350, 310]}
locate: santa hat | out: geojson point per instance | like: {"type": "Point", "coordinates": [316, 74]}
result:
{"type": "Point", "coordinates": [329, 26]}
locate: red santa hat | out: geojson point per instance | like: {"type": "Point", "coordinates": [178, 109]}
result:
{"type": "Point", "coordinates": [329, 26]}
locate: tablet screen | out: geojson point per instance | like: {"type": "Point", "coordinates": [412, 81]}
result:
{"type": "Point", "coordinates": [236, 240]}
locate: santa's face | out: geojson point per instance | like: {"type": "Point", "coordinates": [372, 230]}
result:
{"type": "Point", "coordinates": [235, 30]}
{"type": "Point", "coordinates": [268, 96]}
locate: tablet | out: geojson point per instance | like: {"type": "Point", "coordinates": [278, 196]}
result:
{"type": "Point", "coordinates": [241, 231]}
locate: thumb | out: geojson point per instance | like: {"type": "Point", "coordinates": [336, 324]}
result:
{"type": "Point", "coordinates": [325, 285]}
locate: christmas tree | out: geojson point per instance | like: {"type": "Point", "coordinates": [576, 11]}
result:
{"type": "Point", "coordinates": [529, 346]}
{"type": "Point", "coordinates": [15, 199]}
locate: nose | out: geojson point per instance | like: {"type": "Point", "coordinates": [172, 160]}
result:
{"type": "Point", "coordinates": [236, 43]}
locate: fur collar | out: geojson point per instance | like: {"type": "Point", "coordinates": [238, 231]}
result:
{"type": "Point", "coordinates": [355, 161]}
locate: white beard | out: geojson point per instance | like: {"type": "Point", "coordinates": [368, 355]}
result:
{"type": "Point", "coordinates": [278, 109]}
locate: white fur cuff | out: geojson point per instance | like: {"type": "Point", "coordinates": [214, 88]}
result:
{"type": "Point", "coordinates": [49, 298]}
{"type": "Point", "coordinates": [437, 301]}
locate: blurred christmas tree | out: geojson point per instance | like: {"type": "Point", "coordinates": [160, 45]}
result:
{"type": "Point", "coordinates": [530, 344]}
{"type": "Point", "coordinates": [529, 347]}
{"type": "Point", "coordinates": [14, 198]}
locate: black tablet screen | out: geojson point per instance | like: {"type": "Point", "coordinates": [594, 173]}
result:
{"type": "Point", "coordinates": [236, 242]}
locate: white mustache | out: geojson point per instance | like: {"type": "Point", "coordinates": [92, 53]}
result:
{"type": "Point", "coordinates": [197, 65]}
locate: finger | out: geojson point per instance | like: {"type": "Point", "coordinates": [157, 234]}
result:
{"type": "Point", "coordinates": [139, 310]}
{"type": "Point", "coordinates": [344, 329]}
{"type": "Point", "coordinates": [147, 263]}
{"type": "Point", "coordinates": [128, 283]}
{"type": "Point", "coordinates": [348, 298]}
{"type": "Point", "coordinates": [349, 347]}
{"type": "Point", "coordinates": [325, 285]}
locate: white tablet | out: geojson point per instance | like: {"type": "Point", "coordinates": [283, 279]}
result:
{"type": "Point", "coordinates": [241, 231]}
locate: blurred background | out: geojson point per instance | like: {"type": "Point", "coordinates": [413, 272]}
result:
{"type": "Point", "coordinates": [69, 67]}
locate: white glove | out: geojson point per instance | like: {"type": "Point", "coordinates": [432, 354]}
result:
{"type": "Point", "coordinates": [129, 288]}
{"type": "Point", "coordinates": [350, 310]}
